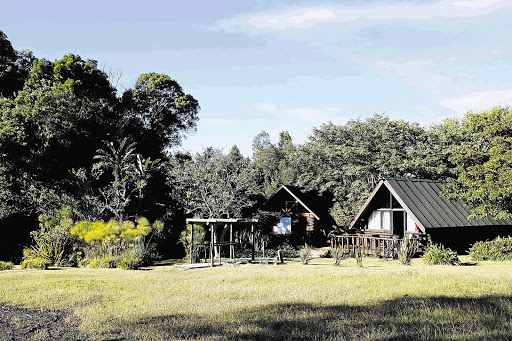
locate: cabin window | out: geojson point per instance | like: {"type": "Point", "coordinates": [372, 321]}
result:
{"type": "Point", "coordinates": [374, 221]}
{"type": "Point", "coordinates": [380, 220]}
{"type": "Point", "coordinates": [284, 226]}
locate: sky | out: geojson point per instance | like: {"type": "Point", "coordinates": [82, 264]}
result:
{"type": "Point", "coordinates": [287, 65]}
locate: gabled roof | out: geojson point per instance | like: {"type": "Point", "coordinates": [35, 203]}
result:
{"type": "Point", "coordinates": [285, 192]}
{"type": "Point", "coordinates": [422, 200]}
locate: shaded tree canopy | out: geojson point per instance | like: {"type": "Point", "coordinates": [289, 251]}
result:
{"type": "Point", "coordinates": [14, 67]}
{"type": "Point", "coordinates": [274, 165]}
{"type": "Point", "coordinates": [348, 160]}
{"type": "Point", "coordinates": [158, 113]}
{"type": "Point", "coordinates": [482, 161]}
{"type": "Point", "coordinates": [64, 110]}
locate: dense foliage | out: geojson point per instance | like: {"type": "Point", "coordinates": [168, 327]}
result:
{"type": "Point", "coordinates": [437, 254]}
{"type": "Point", "coordinates": [67, 138]}
{"type": "Point", "coordinates": [211, 184]}
{"type": "Point", "coordinates": [483, 163]}
{"type": "Point", "coordinates": [114, 243]}
{"type": "Point", "coordinates": [498, 249]}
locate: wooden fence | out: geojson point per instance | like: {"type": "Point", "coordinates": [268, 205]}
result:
{"type": "Point", "coordinates": [368, 245]}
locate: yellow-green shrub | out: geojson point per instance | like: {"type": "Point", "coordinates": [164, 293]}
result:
{"type": "Point", "coordinates": [6, 265]}
{"type": "Point", "coordinates": [113, 243]}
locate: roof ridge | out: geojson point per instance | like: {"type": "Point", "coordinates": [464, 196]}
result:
{"type": "Point", "coordinates": [412, 179]}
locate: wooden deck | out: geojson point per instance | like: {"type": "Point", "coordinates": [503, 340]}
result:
{"type": "Point", "coordinates": [384, 246]}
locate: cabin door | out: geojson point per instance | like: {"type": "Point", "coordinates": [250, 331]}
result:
{"type": "Point", "coordinates": [399, 223]}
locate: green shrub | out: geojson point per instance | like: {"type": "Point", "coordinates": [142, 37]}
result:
{"type": "Point", "coordinates": [358, 255]}
{"type": "Point", "coordinates": [407, 250]}
{"type": "Point", "coordinates": [115, 244]}
{"type": "Point", "coordinates": [437, 254]}
{"type": "Point", "coordinates": [6, 265]}
{"type": "Point", "coordinates": [305, 254]}
{"type": "Point", "coordinates": [498, 249]}
{"type": "Point", "coordinates": [32, 260]}
{"type": "Point", "coordinates": [197, 247]}
{"type": "Point", "coordinates": [131, 259]}
{"type": "Point", "coordinates": [52, 241]}
{"type": "Point", "coordinates": [103, 262]}
{"type": "Point", "coordinates": [338, 255]}
{"type": "Point", "coordinates": [35, 263]}
{"type": "Point", "coordinates": [287, 251]}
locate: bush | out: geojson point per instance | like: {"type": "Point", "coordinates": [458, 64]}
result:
{"type": "Point", "coordinates": [305, 254]}
{"type": "Point", "coordinates": [437, 254]}
{"type": "Point", "coordinates": [358, 255]}
{"type": "Point", "coordinates": [32, 260]}
{"type": "Point", "coordinates": [52, 241]}
{"type": "Point", "coordinates": [131, 259]}
{"type": "Point", "coordinates": [197, 247]}
{"type": "Point", "coordinates": [6, 265]}
{"type": "Point", "coordinates": [407, 250]}
{"type": "Point", "coordinates": [498, 249]}
{"type": "Point", "coordinates": [338, 255]}
{"type": "Point", "coordinates": [103, 262]}
{"type": "Point", "coordinates": [115, 244]}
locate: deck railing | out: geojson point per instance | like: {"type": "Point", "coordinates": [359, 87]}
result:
{"type": "Point", "coordinates": [367, 244]}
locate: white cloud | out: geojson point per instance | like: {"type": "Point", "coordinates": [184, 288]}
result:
{"type": "Point", "coordinates": [306, 17]}
{"type": "Point", "coordinates": [478, 100]}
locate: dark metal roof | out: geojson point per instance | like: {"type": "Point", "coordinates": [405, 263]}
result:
{"type": "Point", "coordinates": [423, 201]}
{"type": "Point", "coordinates": [284, 192]}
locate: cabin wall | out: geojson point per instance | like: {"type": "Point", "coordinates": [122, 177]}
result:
{"type": "Point", "coordinates": [461, 238]}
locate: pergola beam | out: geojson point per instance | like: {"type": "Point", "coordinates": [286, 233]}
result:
{"type": "Point", "coordinates": [212, 224]}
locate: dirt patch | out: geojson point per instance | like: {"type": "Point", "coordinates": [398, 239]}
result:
{"type": "Point", "coordinates": [32, 324]}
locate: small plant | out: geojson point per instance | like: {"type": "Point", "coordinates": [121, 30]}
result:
{"type": "Point", "coordinates": [6, 265]}
{"type": "Point", "coordinates": [437, 254]}
{"type": "Point", "coordinates": [358, 255]}
{"type": "Point", "coordinates": [197, 247]}
{"type": "Point", "coordinates": [52, 241]}
{"type": "Point", "coordinates": [31, 260]}
{"type": "Point", "coordinates": [131, 259]}
{"type": "Point", "coordinates": [337, 255]}
{"type": "Point", "coordinates": [407, 250]}
{"type": "Point", "coordinates": [498, 249]}
{"type": "Point", "coordinates": [305, 254]}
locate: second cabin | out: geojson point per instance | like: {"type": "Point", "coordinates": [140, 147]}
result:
{"type": "Point", "coordinates": [399, 208]}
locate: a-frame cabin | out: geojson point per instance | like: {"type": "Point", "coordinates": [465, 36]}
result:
{"type": "Point", "coordinates": [399, 207]}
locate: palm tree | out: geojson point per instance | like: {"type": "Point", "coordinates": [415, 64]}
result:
{"type": "Point", "coordinates": [120, 160]}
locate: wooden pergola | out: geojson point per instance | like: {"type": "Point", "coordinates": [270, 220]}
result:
{"type": "Point", "coordinates": [213, 223]}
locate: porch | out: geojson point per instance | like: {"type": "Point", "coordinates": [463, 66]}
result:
{"type": "Point", "coordinates": [377, 245]}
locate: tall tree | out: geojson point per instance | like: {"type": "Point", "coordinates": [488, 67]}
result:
{"type": "Point", "coordinates": [213, 185]}
{"type": "Point", "coordinates": [14, 67]}
{"type": "Point", "coordinates": [483, 163]}
{"type": "Point", "coordinates": [348, 160]}
{"type": "Point", "coordinates": [274, 164]}
{"type": "Point", "coordinates": [157, 113]}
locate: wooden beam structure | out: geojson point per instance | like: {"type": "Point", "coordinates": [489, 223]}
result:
{"type": "Point", "coordinates": [228, 223]}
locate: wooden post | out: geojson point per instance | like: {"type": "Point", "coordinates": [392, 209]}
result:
{"type": "Point", "coordinates": [191, 243]}
{"type": "Point", "coordinates": [211, 246]}
{"type": "Point", "coordinates": [231, 247]}
{"type": "Point", "coordinates": [252, 241]}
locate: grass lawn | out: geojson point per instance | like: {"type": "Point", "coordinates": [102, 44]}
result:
{"type": "Point", "coordinates": [380, 301]}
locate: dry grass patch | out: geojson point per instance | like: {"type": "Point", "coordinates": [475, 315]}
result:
{"type": "Point", "coordinates": [380, 301]}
